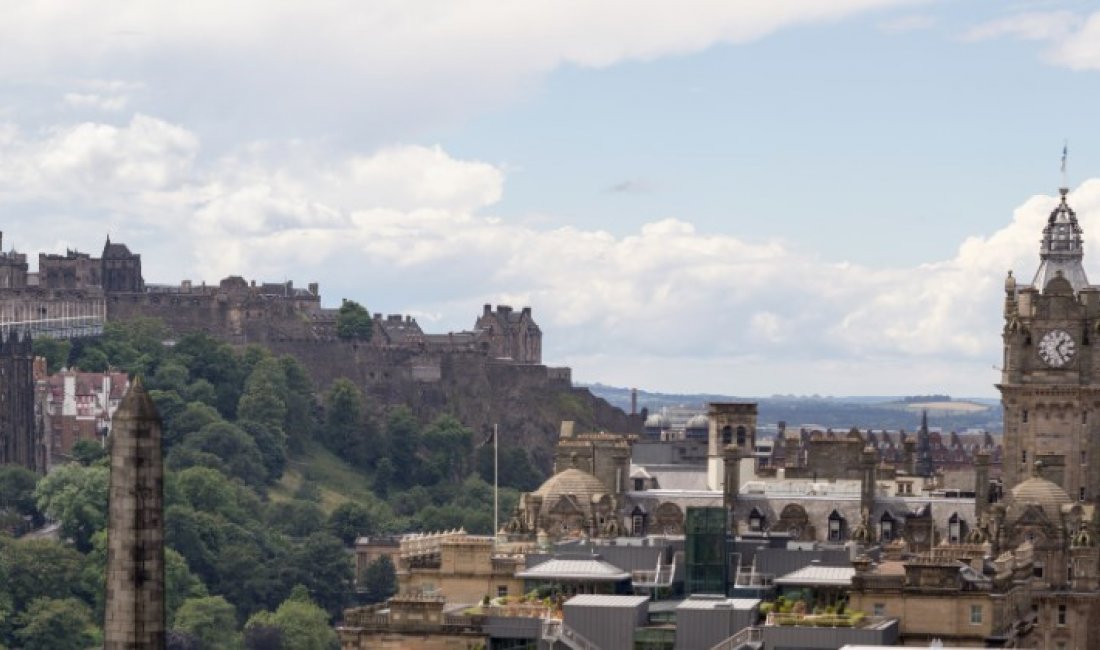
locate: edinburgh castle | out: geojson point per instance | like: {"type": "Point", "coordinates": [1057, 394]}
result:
{"type": "Point", "coordinates": [492, 373]}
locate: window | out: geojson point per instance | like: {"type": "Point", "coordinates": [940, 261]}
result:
{"type": "Point", "coordinates": [1023, 416]}
{"type": "Point", "coordinates": [1084, 457]}
{"type": "Point", "coordinates": [1037, 570]}
{"type": "Point", "coordinates": [1023, 455]}
{"type": "Point", "coordinates": [638, 524]}
{"type": "Point", "coordinates": [954, 529]}
{"type": "Point", "coordinates": [887, 528]}
{"type": "Point", "coordinates": [639, 484]}
{"type": "Point", "coordinates": [1081, 494]}
{"type": "Point", "coordinates": [879, 609]}
{"type": "Point", "coordinates": [756, 520]}
{"type": "Point", "coordinates": [1061, 616]}
{"type": "Point", "coordinates": [836, 527]}
{"type": "Point", "coordinates": [975, 614]}
{"type": "Point", "coordinates": [502, 591]}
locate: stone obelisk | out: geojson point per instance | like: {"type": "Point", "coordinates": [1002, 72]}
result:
{"type": "Point", "coordinates": [135, 529]}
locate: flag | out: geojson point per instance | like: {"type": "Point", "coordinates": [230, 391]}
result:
{"type": "Point", "coordinates": [1065, 152]}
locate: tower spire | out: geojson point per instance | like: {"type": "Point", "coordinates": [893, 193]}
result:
{"type": "Point", "coordinates": [1062, 247]}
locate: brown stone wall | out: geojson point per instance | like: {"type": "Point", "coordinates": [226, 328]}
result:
{"type": "Point", "coordinates": [135, 614]}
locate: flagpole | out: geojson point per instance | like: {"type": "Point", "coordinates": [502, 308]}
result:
{"type": "Point", "coordinates": [496, 482]}
{"type": "Point", "coordinates": [1065, 154]}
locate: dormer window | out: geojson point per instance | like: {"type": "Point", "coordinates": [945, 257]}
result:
{"type": "Point", "coordinates": [756, 520]}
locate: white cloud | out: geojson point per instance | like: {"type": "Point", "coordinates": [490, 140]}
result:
{"type": "Point", "coordinates": [385, 65]}
{"type": "Point", "coordinates": [96, 101]}
{"type": "Point", "coordinates": [411, 227]}
{"type": "Point", "coordinates": [907, 23]}
{"type": "Point", "coordinates": [1073, 39]}
{"type": "Point", "coordinates": [1032, 26]}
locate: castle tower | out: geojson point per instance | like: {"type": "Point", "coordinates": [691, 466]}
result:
{"type": "Point", "coordinates": [925, 466]}
{"type": "Point", "coordinates": [731, 423]}
{"type": "Point", "coordinates": [21, 436]}
{"type": "Point", "coordinates": [135, 529]}
{"type": "Point", "coordinates": [1050, 382]}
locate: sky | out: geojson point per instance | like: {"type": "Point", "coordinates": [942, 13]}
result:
{"type": "Point", "coordinates": [733, 197]}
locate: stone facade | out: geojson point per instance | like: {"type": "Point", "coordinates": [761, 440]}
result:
{"type": "Point", "coordinates": [21, 436]}
{"type": "Point", "coordinates": [463, 568]}
{"type": "Point", "coordinates": [135, 613]}
{"type": "Point", "coordinates": [511, 335]}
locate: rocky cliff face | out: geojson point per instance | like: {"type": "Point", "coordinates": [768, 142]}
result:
{"type": "Point", "coordinates": [527, 402]}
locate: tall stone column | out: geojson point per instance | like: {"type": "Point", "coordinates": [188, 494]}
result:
{"type": "Point", "coordinates": [135, 531]}
{"type": "Point", "coordinates": [731, 456]}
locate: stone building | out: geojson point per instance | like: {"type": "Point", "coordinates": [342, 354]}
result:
{"type": "Point", "coordinates": [464, 567]}
{"type": "Point", "coordinates": [120, 269]}
{"type": "Point", "coordinates": [73, 270]}
{"type": "Point", "coordinates": [13, 267]}
{"type": "Point", "coordinates": [80, 406]}
{"type": "Point", "coordinates": [21, 437]}
{"type": "Point", "coordinates": [511, 334]}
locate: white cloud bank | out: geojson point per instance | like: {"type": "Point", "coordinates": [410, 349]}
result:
{"type": "Point", "coordinates": [1073, 39]}
{"type": "Point", "coordinates": [384, 66]}
{"type": "Point", "coordinates": [411, 227]}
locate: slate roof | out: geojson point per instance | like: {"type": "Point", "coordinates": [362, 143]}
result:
{"type": "Point", "coordinates": [591, 569]}
{"type": "Point", "coordinates": [819, 576]}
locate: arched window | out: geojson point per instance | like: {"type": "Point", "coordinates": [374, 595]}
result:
{"type": "Point", "coordinates": [887, 527]}
{"type": "Point", "coordinates": [741, 436]}
{"type": "Point", "coordinates": [956, 528]}
{"type": "Point", "coordinates": [757, 521]}
{"type": "Point", "coordinates": [836, 527]}
{"type": "Point", "coordinates": [727, 435]}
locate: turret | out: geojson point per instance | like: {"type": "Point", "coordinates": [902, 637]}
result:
{"type": "Point", "coordinates": [1062, 248]}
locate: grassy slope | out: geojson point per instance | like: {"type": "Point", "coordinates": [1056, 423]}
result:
{"type": "Point", "coordinates": [339, 482]}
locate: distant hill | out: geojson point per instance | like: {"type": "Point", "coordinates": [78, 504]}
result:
{"type": "Point", "coordinates": [875, 412]}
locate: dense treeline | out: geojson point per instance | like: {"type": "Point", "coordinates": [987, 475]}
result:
{"type": "Point", "coordinates": [258, 551]}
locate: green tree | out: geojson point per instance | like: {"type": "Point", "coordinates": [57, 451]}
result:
{"type": "Point", "coordinates": [170, 375]}
{"type": "Point", "coordinates": [87, 451]}
{"type": "Point", "coordinates": [265, 393]}
{"type": "Point", "coordinates": [40, 568]}
{"type": "Point", "coordinates": [353, 322]}
{"type": "Point", "coordinates": [323, 566]}
{"type": "Point", "coordinates": [56, 624]}
{"type": "Point", "coordinates": [380, 579]}
{"type": "Point", "coordinates": [77, 497]}
{"type": "Point", "coordinates": [214, 361]}
{"type": "Point", "coordinates": [93, 360]}
{"type": "Point", "coordinates": [180, 584]}
{"type": "Point", "coordinates": [169, 405]}
{"type": "Point", "coordinates": [448, 446]}
{"type": "Point", "coordinates": [343, 429]}
{"type": "Point", "coordinates": [191, 418]}
{"type": "Point", "coordinates": [234, 449]}
{"type": "Point", "coordinates": [302, 624]}
{"type": "Point", "coordinates": [17, 505]}
{"type": "Point", "coordinates": [350, 520]}
{"type": "Point", "coordinates": [384, 473]}
{"type": "Point", "coordinates": [272, 446]}
{"type": "Point", "coordinates": [212, 620]}
{"type": "Point", "coordinates": [211, 492]}
{"type": "Point", "coordinates": [295, 518]}
{"type": "Point", "coordinates": [300, 401]}
{"type": "Point", "coordinates": [402, 442]}
{"type": "Point", "coordinates": [55, 351]}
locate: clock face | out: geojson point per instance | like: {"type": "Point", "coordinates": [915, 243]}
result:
{"type": "Point", "coordinates": [1056, 348]}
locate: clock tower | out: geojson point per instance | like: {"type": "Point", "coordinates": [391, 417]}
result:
{"type": "Point", "coordinates": [1050, 381]}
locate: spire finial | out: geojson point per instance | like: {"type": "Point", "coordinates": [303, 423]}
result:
{"type": "Point", "coordinates": [1065, 183]}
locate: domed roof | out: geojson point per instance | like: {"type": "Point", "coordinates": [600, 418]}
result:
{"type": "Point", "coordinates": [1040, 492]}
{"type": "Point", "coordinates": [698, 422]}
{"type": "Point", "coordinates": [657, 421]}
{"type": "Point", "coordinates": [572, 482]}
